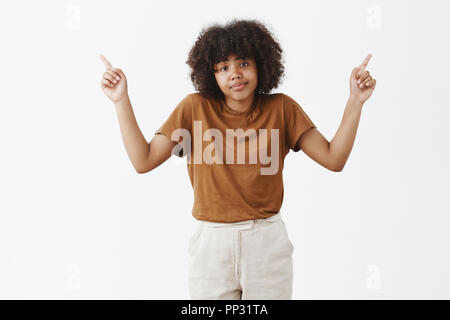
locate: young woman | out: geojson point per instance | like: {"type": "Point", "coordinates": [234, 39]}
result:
{"type": "Point", "coordinates": [240, 249]}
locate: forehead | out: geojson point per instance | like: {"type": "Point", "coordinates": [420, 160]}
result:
{"type": "Point", "coordinates": [233, 57]}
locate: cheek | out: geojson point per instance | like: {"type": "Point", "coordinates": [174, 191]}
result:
{"type": "Point", "coordinates": [254, 78]}
{"type": "Point", "coordinates": [253, 75]}
{"type": "Point", "coordinates": [222, 84]}
{"type": "Point", "coordinates": [219, 82]}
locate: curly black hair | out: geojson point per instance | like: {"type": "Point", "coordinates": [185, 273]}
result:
{"type": "Point", "coordinates": [246, 38]}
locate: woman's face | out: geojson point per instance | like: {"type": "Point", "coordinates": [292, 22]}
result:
{"type": "Point", "coordinates": [236, 70]}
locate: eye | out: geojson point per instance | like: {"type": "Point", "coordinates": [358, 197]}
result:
{"type": "Point", "coordinates": [227, 67]}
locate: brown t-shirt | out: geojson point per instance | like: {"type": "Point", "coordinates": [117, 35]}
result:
{"type": "Point", "coordinates": [250, 185]}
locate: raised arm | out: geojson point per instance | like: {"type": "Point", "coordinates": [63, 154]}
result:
{"type": "Point", "coordinates": [317, 147]}
{"type": "Point", "coordinates": [333, 155]}
{"type": "Point", "coordinates": [144, 156]}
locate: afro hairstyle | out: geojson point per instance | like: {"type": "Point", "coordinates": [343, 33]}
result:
{"type": "Point", "coordinates": [245, 38]}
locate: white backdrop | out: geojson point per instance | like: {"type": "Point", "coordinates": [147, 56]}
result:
{"type": "Point", "coordinates": [76, 220]}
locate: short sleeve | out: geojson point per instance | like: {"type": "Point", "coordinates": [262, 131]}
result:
{"type": "Point", "coordinates": [296, 122]}
{"type": "Point", "coordinates": [180, 118]}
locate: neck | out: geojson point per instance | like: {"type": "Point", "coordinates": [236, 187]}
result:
{"type": "Point", "coordinates": [242, 105]}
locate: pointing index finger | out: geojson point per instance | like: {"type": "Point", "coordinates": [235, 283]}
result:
{"type": "Point", "coordinates": [363, 65]}
{"type": "Point", "coordinates": [105, 61]}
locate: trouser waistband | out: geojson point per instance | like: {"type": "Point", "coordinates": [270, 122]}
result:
{"type": "Point", "coordinates": [211, 224]}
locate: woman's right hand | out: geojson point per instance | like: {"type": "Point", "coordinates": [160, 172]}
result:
{"type": "Point", "coordinates": [114, 82]}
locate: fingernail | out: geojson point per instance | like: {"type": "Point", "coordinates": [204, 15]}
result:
{"type": "Point", "coordinates": [114, 80]}
{"type": "Point", "coordinates": [118, 78]}
{"type": "Point", "coordinates": [361, 86]}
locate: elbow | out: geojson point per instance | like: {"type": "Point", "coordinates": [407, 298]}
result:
{"type": "Point", "coordinates": [336, 163]}
{"type": "Point", "coordinates": [337, 167]}
{"type": "Point", "coordinates": [140, 170]}
{"type": "Point", "coordinates": [143, 171]}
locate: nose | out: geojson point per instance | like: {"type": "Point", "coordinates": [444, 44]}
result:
{"type": "Point", "coordinates": [235, 75]}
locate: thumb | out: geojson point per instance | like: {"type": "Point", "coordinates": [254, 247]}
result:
{"type": "Point", "coordinates": [120, 72]}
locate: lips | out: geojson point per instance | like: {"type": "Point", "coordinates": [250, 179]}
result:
{"type": "Point", "coordinates": [239, 85]}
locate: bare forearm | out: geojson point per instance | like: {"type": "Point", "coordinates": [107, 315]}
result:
{"type": "Point", "coordinates": [342, 143]}
{"type": "Point", "coordinates": [133, 139]}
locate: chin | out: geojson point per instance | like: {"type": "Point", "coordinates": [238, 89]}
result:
{"type": "Point", "coordinates": [240, 95]}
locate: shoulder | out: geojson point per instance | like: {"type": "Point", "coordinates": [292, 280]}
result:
{"type": "Point", "coordinates": [279, 99]}
{"type": "Point", "coordinates": [195, 96]}
{"type": "Point", "coordinates": [198, 97]}
{"type": "Point", "coordinates": [187, 102]}
{"type": "Point", "coordinates": [271, 101]}
{"type": "Point", "coordinates": [290, 105]}
{"type": "Point", "coordinates": [199, 101]}
{"type": "Point", "coordinates": [288, 100]}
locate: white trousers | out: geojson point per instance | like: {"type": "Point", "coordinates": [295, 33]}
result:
{"type": "Point", "coordinates": [248, 260]}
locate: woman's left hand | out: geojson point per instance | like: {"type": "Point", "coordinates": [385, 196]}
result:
{"type": "Point", "coordinates": [361, 82]}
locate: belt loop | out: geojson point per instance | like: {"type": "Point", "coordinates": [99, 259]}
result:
{"type": "Point", "coordinates": [248, 225]}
